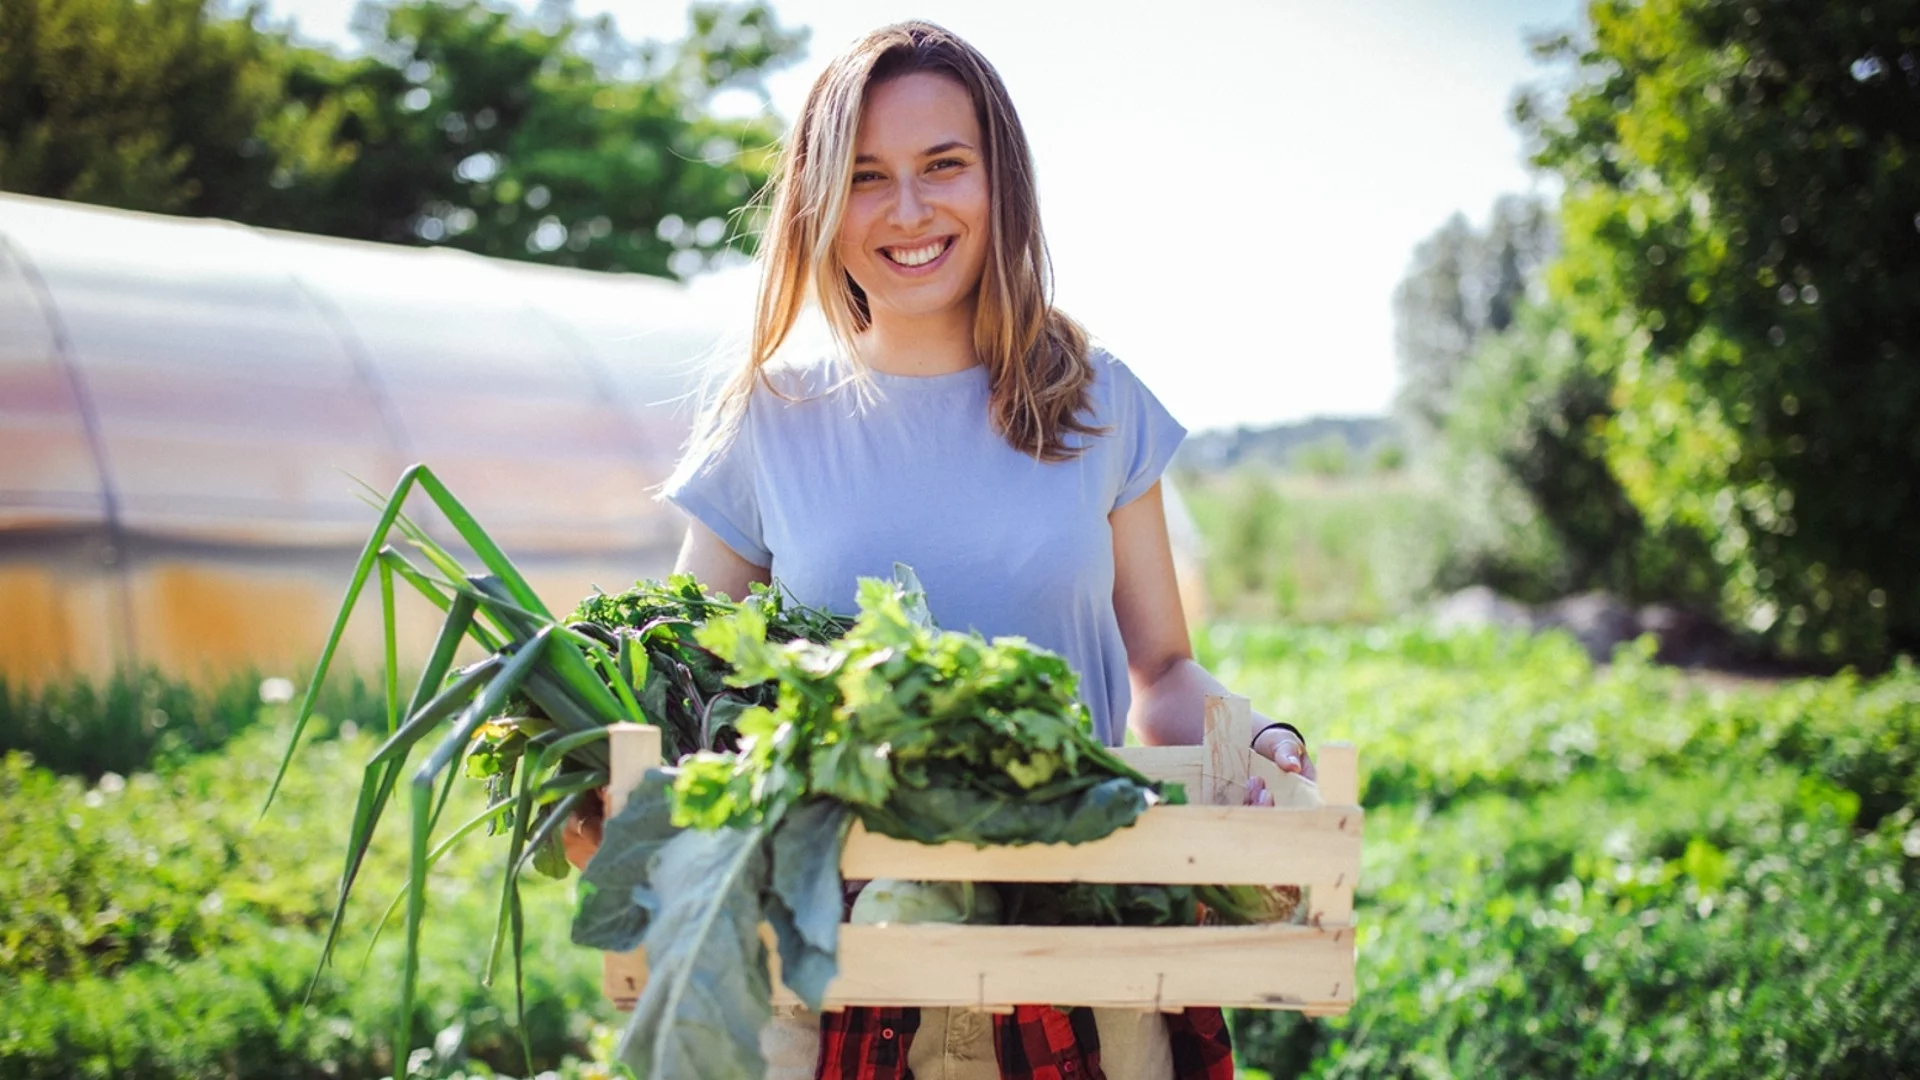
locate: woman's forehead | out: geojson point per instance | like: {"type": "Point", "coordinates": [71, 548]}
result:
{"type": "Point", "coordinates": [912, 114]}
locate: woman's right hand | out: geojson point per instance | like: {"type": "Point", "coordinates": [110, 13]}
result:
{"type": "Point", "coordinates": [580, 836]}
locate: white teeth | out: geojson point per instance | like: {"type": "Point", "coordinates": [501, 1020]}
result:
{"type": "Point", "coordinates": [918, 256]}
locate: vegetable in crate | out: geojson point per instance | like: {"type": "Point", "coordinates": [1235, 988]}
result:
{"type": "Point", "coordinates": [887, 900]}
{"type": "Point", "coordinates": [529, 717]}
{"type": "Point", "coordinates": [680, 686]}
{"type": "Point", "coordinates": [923, 734]}
{"type": "Point", "coordinates": [928, 735]}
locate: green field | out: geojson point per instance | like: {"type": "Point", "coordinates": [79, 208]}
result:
{"type": "Point", "coordinates": [1569, 871]}
{"type": "Point", "coordinates": [1295, 547]}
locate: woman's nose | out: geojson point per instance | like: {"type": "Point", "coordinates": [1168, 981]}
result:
{"type": "Point", "coordinates": [911, 209]}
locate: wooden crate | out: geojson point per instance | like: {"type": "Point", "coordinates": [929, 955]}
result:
{"type": "Point", "coordinates": [1311, 839]}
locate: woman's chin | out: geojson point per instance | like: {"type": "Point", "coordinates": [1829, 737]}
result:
{"type": "Point", "coordinates": [923, 308]}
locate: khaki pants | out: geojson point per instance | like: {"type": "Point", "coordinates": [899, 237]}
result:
{"type": "Point", "coordinates": [957, 1044]}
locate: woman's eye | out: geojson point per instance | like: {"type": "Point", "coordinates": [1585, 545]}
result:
{"type": "Point", "coordinates": [947, 163]}
{"type": "Point", "coordinates": [864, 177]}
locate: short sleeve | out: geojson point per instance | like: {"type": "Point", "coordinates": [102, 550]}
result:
{"type": "Point", "coordinates": [718, 490]}
{"type": "Point", "coordinates": [1147, 433]}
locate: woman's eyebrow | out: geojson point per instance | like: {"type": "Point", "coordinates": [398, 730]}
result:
{"type": "Point", "coordinates": [950, 144]}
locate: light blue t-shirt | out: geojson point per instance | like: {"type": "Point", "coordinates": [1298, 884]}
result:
{"type": "Point", "coordinates": [826, 489]}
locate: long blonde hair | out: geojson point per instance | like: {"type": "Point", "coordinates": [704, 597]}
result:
{"type": "Point", "coordinates": [1036, 357]}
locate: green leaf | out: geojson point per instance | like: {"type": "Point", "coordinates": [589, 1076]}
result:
{"type": "Point", "coordinates": [609, 917]}
{"type": "Point", "coordinates": [708, 993]}
{"type": "Point", "coordinates": [362, 567]}
{"type": "Point", "coordinates": [939, 815]}
{"type": "Point", "coordinates": [804, 903]}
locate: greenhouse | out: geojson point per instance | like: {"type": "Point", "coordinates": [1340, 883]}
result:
{"type": "Point", "coordinates": [189, 410]}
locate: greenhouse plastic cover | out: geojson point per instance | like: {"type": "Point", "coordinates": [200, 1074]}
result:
{"type": "Point", "coordinates": [208, 381]}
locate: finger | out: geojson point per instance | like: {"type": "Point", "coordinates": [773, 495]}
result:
{"type": "Point", "coordinates": [1266, 799]}
{"type": "Point", "coordinates": [1288, 758]}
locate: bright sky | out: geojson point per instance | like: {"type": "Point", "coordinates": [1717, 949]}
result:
{"type": "Point", "coordinates": [1231, 190]}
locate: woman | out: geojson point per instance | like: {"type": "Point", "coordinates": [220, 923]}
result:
{"type": "Point", "coordinates": [968, 430]}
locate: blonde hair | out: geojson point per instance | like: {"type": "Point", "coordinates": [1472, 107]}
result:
{"type": "Point", "coordinates": [1036, 357]}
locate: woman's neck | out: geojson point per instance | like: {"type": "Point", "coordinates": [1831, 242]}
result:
{"type": "Point", "coordinates": [936, 344]}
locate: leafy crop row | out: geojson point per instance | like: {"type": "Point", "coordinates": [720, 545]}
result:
{"type": "Point", "coordinates": [1611, 872]}
{"type": "Point", "coordinates": [156, 929]}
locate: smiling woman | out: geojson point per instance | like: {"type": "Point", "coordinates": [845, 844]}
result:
{"type": "Point", "coordinates": [964, 426]}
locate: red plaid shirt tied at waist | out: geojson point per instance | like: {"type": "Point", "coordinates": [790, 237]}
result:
{"type": "Point", "coordinates": [1034, 1042]}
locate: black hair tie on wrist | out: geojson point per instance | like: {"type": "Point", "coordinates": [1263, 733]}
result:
{"type": "Point", "coordinates": [1284, 726]}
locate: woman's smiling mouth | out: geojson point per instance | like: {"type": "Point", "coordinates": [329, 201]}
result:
{"type": "Point", "coordinates": [916, 258]}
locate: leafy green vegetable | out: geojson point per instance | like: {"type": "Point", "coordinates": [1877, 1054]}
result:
{"type": "Point", "coordinates": [928, 735]}
{"type": "Point", "coordinates": [804, 902]}
{"type": "Point", "coordinates": [611, 914]}
{"type": "Point", "coordinates": [708, 993]}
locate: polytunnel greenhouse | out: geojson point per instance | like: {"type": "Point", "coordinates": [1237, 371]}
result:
{"type": "Point", "coordinates": [189, 409]}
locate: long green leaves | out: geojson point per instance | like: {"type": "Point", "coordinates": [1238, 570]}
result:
{"type": "Point", "coordinates": [486, 704]}
{"type": "Point", "coordinates": [533, 662]}
{"type": "Point", "coordinates": [529, 718]}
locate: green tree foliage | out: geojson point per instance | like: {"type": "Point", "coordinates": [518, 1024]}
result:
{"type": "Point", "coordinates": [1497, 387]}
{"type": "Point", "coordinates": [1742, 252]}
{"type": "Point", "coordinates": [146, 104]}
{"type": "Point", "coordinates": [1546, 515]}
{"type": "Point", "coordinates": [1464, 284]}
{"type": "Point", "coordinates": [539, 137]}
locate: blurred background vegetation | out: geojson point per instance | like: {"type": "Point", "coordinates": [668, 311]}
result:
{"type": "Point", "coordinates": [542, 136]}
{"type": "Point", "coordinates": [1695, 380]}
{"type": "Point", "coordinates": [1686, 385]}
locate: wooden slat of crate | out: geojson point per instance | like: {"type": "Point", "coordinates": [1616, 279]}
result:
{"type": "Point", "coordinates": [1309, 968]}
{"type": "Point", "coordinates": [632, 750]}
{"type": "Point", "coordinates": [1168, 967]}
{"type": "Point", "coordinates": [1170, 845]}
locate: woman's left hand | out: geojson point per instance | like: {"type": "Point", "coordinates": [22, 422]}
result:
{"type": "Point", "coordinates": [1286, 750]}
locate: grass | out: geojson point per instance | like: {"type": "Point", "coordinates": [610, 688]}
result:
{"type": "Point", "coordinates": [137, 718]}
{"type": "Point", "coordinates": [1348, 550]}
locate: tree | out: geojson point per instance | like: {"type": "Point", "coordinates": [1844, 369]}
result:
{"type": "Point", "coordinates": [145, 104]}
{"type": "Point", "coordinates": [536, 136]}
{"type": "Point", "coordinates": [1525, 446]}
{"type": "Point", "coordinates": [484, 129]}
{"type": "Point", "coordinates": [1463, 285]}
{"type": "Point", "coordinates": [1742, 254]}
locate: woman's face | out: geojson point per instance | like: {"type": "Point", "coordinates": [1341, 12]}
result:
{"type": "Point", "coordinates": [916, 227]}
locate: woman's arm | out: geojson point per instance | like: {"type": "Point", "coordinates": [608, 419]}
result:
{"type": "Point", "coordinates": [720, 568]}
{"type": "Point", "coordinates": [1169, 688]}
